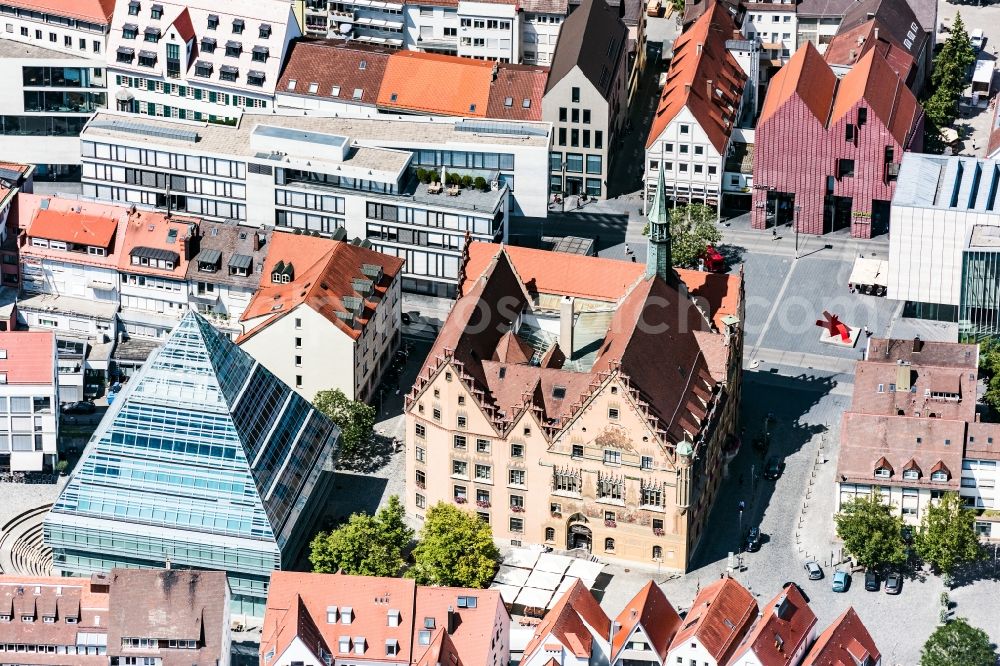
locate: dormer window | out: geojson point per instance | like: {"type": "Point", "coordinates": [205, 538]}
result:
{"type": "Point", "coordinates": [208, 44]}
{"type": "Point", "coordinates": [347, 615]}
{"type": "Point", "coordinates": [255, 78]}
{"type": "Point", "coordinates": [133, 8]}
{"type": "Point", "coordinates": [238, 26]}
{"type": "Point", "coordinates": [391, 647]}
{"type": "Point", "coordinates": [48, 619]}
{"type": "Point", "coordinates": [260, 53]}
{"type": "Point", "coordinates": [234, 49]}
{"type": "Point", "coordinates": [883, 472]}
{"type": "Point", "coordinates": [130, 31]}
{"type": "Point", "coordinates": [265, 30]}
{"type": "Point", "coordinates": [213, 21]}
{"type": "Point", "coordinates": [394, 617]}
{"type": "Point", "coordinates": [156, 12]}
{"type": "Point", "coordinates": [911, 474]}
{"type": "Point", "coordinates": [344, 644]}
{"type": "Point", "coordinates": [71, 619]}
{"type": "Point", "coordinates": [152, 35]}
{"type": "Point", "coordinates": [27, 618]}
{"type": "Point", "coordinates": [359, 644]}
{"type": "Point", "coordinates": [939, 476]}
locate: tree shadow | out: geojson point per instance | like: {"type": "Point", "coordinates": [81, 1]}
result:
{"type": "Point", "coordinates": [732, 255]}
{"type": "Point", "coordinates": [972, 572]}
{"type": "Point", "coordinates": [370, 457]}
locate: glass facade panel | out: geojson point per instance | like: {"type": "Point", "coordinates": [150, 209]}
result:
{"type": "Point", "coordinates": [979, 301]}
{"type": "Point", "coordinates": [206, 459]}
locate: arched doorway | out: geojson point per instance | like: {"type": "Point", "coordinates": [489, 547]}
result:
{"type": "Point", "coordinates": [578, 534]}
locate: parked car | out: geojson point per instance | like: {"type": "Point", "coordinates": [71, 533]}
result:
{"type": "Point", "coordinates": [894, 583]}
{"type": "Point", "coordinates": [82, 407]}
{"type": "Point", "coordinates": [841, 581]}
{"type": "Point", "coordinates": [774, 468]}
{"type": "Point", "coordinates": [815, 571]}
{"type": "Point", "coordinates": [977, 39]}
{"type": "Point", "coordinates": [754, 540]}
{"type": "Point", "coordinates": [872, 582]}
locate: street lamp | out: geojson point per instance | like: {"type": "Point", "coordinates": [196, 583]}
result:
{"type": "Point", "coordinates": [795, 223]}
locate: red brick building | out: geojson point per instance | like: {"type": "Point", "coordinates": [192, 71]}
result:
{"type": "Point", "coordinates": [827, 151]}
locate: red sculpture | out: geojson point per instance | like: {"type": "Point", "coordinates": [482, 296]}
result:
{"type": "Point", "coordinates": [834, 326]}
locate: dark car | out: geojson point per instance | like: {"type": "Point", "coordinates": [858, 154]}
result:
{"type": "Point", "coordinates": [82, 407]}
{"type": "Point", "coordinates": [774, 469]}
{"type": "Point", "coordinates": [754, 540]}
{"type": "Point", "coordinates": [894, 583]}
{"type": "Point", "coordinates": [872, 582]}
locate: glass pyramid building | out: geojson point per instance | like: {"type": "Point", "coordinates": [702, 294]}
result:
{"type": "Point", "coordinates": [205, 460]}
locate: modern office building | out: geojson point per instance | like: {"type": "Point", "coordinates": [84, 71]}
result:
{"type": "Point", "coordinates": [543, 402]}
{"type": "Point", "coordinates": [323, 174]}
{"type": "Point", "coordinates": [29, 401]}
{"type": "Point", "coordinates": [326, 315]}
{"type": "Point", "coordinates": [827, 150]}
{"type": "Point", "coordinates": [944, 213]}
{"type": "Point", "coordinates": [52, 63]}
{"type": "Point", "coordinates": [197, 59]}
{"type": "Point", "coordinates": [586, 99]}
{"type": "Point", "coordinates": [206, 460]}
{"type": "Point", "coordinates": [698, 111]}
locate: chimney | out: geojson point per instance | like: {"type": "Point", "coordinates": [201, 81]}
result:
{"type": "Point", "coordinates": [566, 326]}
{"type": "Point", "coordinates": [496, 69]}
{"type": "Point", "coordinates": [918, 345]}
{"type": "Point", "coordinates": [452, 617]}
{"type": "Point", "coordinates": [903, 371]}
{"type": "Point", "coordinates": [708, 89]}
{"type": "Point", "coordinates": [260, 239]}
{"type": "Point", "coordinates": [700, 47]}
{"type": "Point", "coordinates": [876, 33]}
{"type": "Point", "coordinates": [687, 88]}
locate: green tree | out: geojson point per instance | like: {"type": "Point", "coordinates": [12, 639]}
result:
{"type": "Point", "coordinates": [455, 548]}
{"type": "Point", "coordinates": [692, 229]}
{"type": "Point", "coordinates": [948, 77]}
{"type": "Point", "coordinates": [366, 545]}
{"type": "Point", "coordinates": [947, 535]}
{"type": "Point", "coordinates": [989, 369]}
{"type": "Point", "coordinates": [958, 644]}
{"type": "Point", "coordinates": [871, 531]}
{"type": "Point", "coordinates": [355, 419]}
{"type": "Point", "coordinates": [941, 107]}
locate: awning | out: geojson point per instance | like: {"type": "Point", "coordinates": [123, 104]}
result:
{"type": "Point", "coordinates": [155, 252]}
{"type": "Point", "coordinates": [869, 271]}
{"type": "Point", "coordinates": [533, 597]}
{"type": "Point", "coordinates": [124, 95]}
{"type": "Point", "coordinates": [100, 286]}
{"type": "Point", "coordinates": [240, 261]}
{"type": "Point", "coordinates": [208, 256]}
{"type": "Point", "coordinates": [772, 45]}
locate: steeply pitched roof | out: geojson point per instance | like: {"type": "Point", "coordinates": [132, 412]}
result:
{"type": "Point", "coordinates": [94, 11]}
{"type": "Point", "coordinates": [650, 610]}
{"type": "Point", "coordinates": [719, 616]}
{"type": "Point", "coordinates": [786, 626]}
{"type": "Point", "coordinates": [29, 357]}
{"type": "Point", "coordinates": [325, 275]}
{"type": "Point", "coordinates": [895, 17]}
{"type": "Point", "coordinates": [849, 46]}
{"type": "Point", "coordinates": [71, 227]}
{"type": "Point", "coordinates": [153, 234]}
{"type": "Point", "coordinates": [517, 91]}
{"type": "Point", "coordinates": [844, 643]}
{"type": "Point", "coordinates": [874, 81]}
{"type": "Point", "coordinates": [568, 623]}
{"type": "Point", "coordinates": [170, 604]}
{"type": "Point", "coordinates": [592, 38]}
{"type": "Point", "coordinates": [333, 66]}
{"type": "Point", "coordinates": [806, 75]}
{"type": "Point", "coordinates": [704, 77]}
{"type": "Point", "coordinates": [437, 84]}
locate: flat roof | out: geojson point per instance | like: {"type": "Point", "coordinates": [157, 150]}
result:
{"type": "Point", "coordinates": [293, 134]}
{"type": "Point", "coordinates": [985, 236]}
{"type": "Point", "coordinates": [11, 49]}
{"type": "Point", "coordinates": [948, 183]}
{"type": "Point", "coordinates": [228, 140]}
{"type": "Point", "coordinates": [83, 307]}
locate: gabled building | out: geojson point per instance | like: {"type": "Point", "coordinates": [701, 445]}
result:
{"type": "Point", "coordinates": [319, 619]}
{"type": "Point", "coordinates": [782, 633]}
{"type": "Point", "coordinates": [326, 315]}
{"type": "Point", "coordinates": [846, 641]}
{"type": "Point", "coordinates": [197, 59]}
{"type": "Point", "coordinates": [890, 27]}
{"type": "Point", "coordinates": [586, 99]}
{"type": "Point", "coordinates": [827, 151]}
{"type": "Point", "coordinates": [719, 618]}
{"type": "Point", "coordinates": [216, 464]}
{"type": "Point", "coordinates": [697, 112]}
{"type": "Point", "coordinates": [549, 358]}
{"type": "Point", "coordinates": [335, 76]}
{"type": "Point", "coordinates": [643, 631]}
{"type": "Point", "coordinates": [576, 632]}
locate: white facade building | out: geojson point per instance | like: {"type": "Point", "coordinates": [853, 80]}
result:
{"type": "Point", "coordinates": [52, 60]}
{"type": "Point", "coordinates": [937, 202]}
{"type": "Point", "coordinates": [431, 27]}
{"type": "Point", "coordinates": [540, 24]}
{"type": "Point", "coordinates": [198, 59]}
{"type": "Point", "coordinates": [29, 401]}
{"type": "Point", "coordinates": [774, 24]}
{"type": "Point", "coordinates": [324, 174]}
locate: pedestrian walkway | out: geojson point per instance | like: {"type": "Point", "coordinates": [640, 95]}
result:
{"type": "Point", "coordinates": [22, 548]}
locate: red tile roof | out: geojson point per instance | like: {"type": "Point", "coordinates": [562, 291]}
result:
{"type": "Point", "coordinates": [845, 49]}
{"type": "Point", "coordinates": [806, 75]}
{"type": "Point", "coordinates": [787, 626]}
{"type": "Point", "coordinates": [517, 91]}
{"type": "Point", "coordinates": [94, 11]}
{"type": "Point", "coordinates": [324, 274]}
{"type": "Point", "coordinates": [436, 84]}
{"type": "Point", "coordinates": [704, 78]}
{"type": "Point", "coordinates": [29, 357]}
{"type": "Point", "coordinates": [570, 622]}
{"type": "Point", "coordinates": [72, 227]}
{"type": "Point", "coordinates": [297, 605]}
{"type": "Point", "coordinates": [333, 64]}
{"type": "Point", "coordinates": [844, 643]}
{"type": "Point", "coordinates": [719, 616]}
{"type": "Point", "coordinates": [650, 610]}
{"type": "Point", "coordinates": [156, 231]}
{"type": "Point", "coordinates": [874, 81]}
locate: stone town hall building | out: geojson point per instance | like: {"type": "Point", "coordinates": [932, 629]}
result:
{"type": "Point", "coordinates": [581, 402]}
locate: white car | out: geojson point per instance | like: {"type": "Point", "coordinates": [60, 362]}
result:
{"type": "Point", "coordinates": [978, 39]}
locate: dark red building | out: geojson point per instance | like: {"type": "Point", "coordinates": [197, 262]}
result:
{"type": "Point", "coordinates": [827, 151]}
